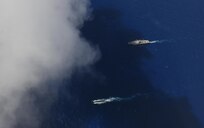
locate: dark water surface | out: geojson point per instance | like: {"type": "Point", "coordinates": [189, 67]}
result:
{"type": "Point", "coordinates": [170, 73]}
{"type": "Point", "coordinates": [177, 65]}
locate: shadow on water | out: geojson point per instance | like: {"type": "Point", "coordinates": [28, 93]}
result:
{"type": "Point", "coordinates": [117, 73]}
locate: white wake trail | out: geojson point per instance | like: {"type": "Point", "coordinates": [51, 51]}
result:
{"type": "Point", "coordinates": [157, 41]}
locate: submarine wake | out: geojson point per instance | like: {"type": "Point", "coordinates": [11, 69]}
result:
{"type": "Point", "coordinates": [157, 41]}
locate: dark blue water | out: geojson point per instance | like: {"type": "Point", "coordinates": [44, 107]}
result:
{"type": "Point", "coordinates": [171, 73]}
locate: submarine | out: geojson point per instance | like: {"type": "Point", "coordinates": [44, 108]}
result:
{"type": "Point", "coordinates": [108, 100]}
{"type": "Point", "coordinates": [139, 42]}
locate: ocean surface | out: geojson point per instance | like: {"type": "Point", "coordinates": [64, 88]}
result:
{"type": "Point", "coordinates": [170, 74]}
